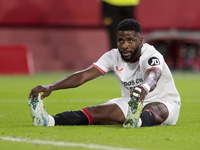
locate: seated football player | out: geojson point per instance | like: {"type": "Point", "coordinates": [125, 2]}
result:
{"type": "Point", "coordinates": [148, 93]}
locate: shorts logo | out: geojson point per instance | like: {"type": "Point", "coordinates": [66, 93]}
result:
{"type": "Point", "coordinates": [153, 61]}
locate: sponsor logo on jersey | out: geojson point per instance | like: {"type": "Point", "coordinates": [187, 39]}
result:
{"type": "Point", "coordinates": [153, 61]}
{"type": "Point", "coordinates": [131, 84]}
{"type": "Point", "coordinates": [119, 70]}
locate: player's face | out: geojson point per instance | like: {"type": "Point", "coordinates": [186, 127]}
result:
{"type": "Point", "coordinates": [129, 45]}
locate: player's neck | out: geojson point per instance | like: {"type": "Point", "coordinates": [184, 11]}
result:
{"type": "Point", "coordinates": [132, 62]}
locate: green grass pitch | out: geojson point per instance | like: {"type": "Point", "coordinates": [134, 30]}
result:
{"type": "Point", "coordinates": [15, 118]}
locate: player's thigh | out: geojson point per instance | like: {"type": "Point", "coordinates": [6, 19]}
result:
{"type": "Point", "coordinates": [122, 103]}
{"type": "Point", "coordinates": [113, 110]}
{"type": "Point", "coordinates": [174, 111]}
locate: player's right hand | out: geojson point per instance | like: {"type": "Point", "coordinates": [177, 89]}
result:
{"type": "Point", "coordinates": [140, 92]}
{"type": "Point", "coordinates": [35, 91]}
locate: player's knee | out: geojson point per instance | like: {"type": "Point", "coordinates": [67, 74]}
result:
{"type": "Point", "coordinates": [163, 113]}
{"type": "Point", "coordinates": [160, 111]}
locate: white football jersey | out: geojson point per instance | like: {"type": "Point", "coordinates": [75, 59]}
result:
{"type": "Point", "coordinates": [130, 75]}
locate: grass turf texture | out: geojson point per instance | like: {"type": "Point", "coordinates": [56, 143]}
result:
{"type": "Point", "coordinates": [15, 118]}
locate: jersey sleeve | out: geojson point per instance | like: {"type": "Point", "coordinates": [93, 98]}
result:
{"type": "Point", "coordinates": [154, 61]}
{"type": "Point", "coordinates": [104, 63]}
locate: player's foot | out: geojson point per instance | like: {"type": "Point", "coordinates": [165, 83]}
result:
{"type": "Point", "coordinates": [134, 111]}
{"type": "Point", "coordinates": [38, 112]}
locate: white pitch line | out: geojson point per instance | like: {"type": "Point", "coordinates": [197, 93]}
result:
{"type": "Point", "coordinates": [90, 146]}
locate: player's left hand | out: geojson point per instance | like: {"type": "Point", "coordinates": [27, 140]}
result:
{"type": "Point", "coordinates": [140, 92]}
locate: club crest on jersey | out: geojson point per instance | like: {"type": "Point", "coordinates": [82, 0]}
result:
{"type": "Point", "coordinates": [153, 61]}
{"type": "Point", "coordinates": [119, 70]}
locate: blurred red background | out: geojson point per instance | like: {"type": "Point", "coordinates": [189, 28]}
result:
{"type": "Point", "coordinates": [154, 14]}
{"type": "Point", "coordinates": [70, 35]}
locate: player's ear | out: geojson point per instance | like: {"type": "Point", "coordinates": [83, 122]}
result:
{"type": "Point", "coordinates": [141, 40]}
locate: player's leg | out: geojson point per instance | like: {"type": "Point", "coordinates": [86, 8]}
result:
{"type": "Point", "coordinates": [41, 118]}
{"type": "Point", "coordinates": [160, 113]}
{"type": "Point", "coordinates": [107, 113]}
{"type": "Point", "coordinates": [154, 113]}
{"type": "Point", "coordinates": [110, 113]}
{"type": "Point", "coordinates": [110, 17]}
{"type": "Point", "coordinates": [102, 114]}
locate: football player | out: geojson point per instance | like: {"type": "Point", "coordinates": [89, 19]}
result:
{"type": "Point", "coordinates": [148, 93]}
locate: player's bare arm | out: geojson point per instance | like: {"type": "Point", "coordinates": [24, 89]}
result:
{"type": "Point", "coordinates": [150, 79]}
{"type": "Point", "coordinates": [74, 80]}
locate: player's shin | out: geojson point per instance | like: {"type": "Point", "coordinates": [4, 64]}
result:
{"type": "Point", "coordinates": [147, 118]}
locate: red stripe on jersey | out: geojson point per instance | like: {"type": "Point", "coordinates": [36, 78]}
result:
{"type": "Point", "coordinates": [154, 68]}
{"type": "Point", "coordinates": [152, 112]}
{"type": "Point", "coordinates": [88, 115]}
{"type": "Point", "coordinates": [103, 72]}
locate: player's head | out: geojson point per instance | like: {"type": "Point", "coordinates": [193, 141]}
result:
{"type": "Point", "coordinates": [129, 40]}
{"type": "Point", "coordinates": [129, 24]}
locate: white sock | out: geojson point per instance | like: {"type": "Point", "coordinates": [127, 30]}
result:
{"type": "Point", "coordinates": [139, 123]}
{"type": "Point", "coordinates": [51, 121]}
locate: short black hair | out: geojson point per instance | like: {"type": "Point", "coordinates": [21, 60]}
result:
{"type": "Point", "coordinates": [129, 24]}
